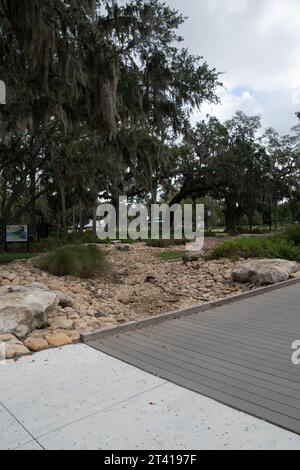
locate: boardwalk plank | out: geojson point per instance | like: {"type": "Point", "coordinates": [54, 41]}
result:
{"type": "Point", "coordinates": [237, 354]}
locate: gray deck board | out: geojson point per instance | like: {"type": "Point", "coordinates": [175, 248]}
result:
{"type": "Point", "coordinates": [238, 354]}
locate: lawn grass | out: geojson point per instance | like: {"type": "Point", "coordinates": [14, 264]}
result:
{"type": "Point", "coordinates": [171, 255]}
{"type": "Point", "coordinates": [6, 258]}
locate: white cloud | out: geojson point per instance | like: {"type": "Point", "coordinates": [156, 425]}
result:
{"type": "Point", "coordinates": [230, 103]}
{"type": "Point", "coordinates": [257, 44]}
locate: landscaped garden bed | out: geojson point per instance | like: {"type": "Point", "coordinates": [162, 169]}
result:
{"type": "Point", "coordinates": [104, 285]}
{"type": "Point", "coordinates": [142, 281]}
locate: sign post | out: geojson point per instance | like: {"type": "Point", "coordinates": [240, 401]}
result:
{"type": "Point", "coordinates": [16, 234]}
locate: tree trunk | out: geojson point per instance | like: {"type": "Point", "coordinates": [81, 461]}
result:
{"type": "Point", "coordinates": [276, 214]}
{"type": "Point", "coordinates": [270, 215]}
{"type": "Point", "coordinates": [2, 234]}
{"type": "Point", "coordinates": [154, 194]}
{"type": "Point", "coordinates": [32, 209]}
{"type": "Point", "coordinates": [74, 220]}
{"type": "Point", "coordinates": [80, 218]}
{"type": "Point", "coordinates": [230, 219]}
{"type": "Point", "coordinates": [95, 216]}
{"type": "Point", "coordinates": [58, 225]}
{"type": "Point", "coordinates": [63, 208]}
{"type": "Point", "coordinates": [250, 220]}
{"type": "Point", "coordinates": [115, 202]}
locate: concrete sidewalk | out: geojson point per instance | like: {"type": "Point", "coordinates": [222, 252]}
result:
{"type": "Point", "coordinates": [79, 398]}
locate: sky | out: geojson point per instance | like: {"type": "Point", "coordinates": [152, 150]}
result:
{"type": "Point", "coordinates": [256, 43]}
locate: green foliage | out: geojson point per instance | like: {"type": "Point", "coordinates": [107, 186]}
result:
{"type": "Point", "coordinates": [6, 258]}
{"type": "Point", "coordinates": [293, 234]}
{"type": "Point", "coordinates": [171, 255]}
{"type": "Point", "coordinates": [275, 247]}
{"type": "Point", "coordinates": [73, 260]}
{"type": "Point", "coordinates": [96, 91]}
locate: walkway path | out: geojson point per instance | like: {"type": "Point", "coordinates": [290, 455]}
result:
{"type": "Point", "coordinates": [79, 398]}
{"type": "Point", "coordinates": [239, 354]}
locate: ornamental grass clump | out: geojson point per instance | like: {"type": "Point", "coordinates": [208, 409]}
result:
{"type": "Point", "coordinates": [73, 260]}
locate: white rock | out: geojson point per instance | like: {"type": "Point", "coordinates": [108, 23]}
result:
{"type": "Point", "coordinates": [62, 324]}
{"type": "Point", "coordinates": [264, 271]}
{"type": "Point", "coordinates": [64, 300]}
{"type": "Point", "coordinates": [23, 312]}
{"type": "Point", "coordinates": [5, 338]}
{"type": "Point", "coordinates": [15, 350]}
{"type": "Point", "coordinates": [37, 285]}
{"type": "Point", "coordinates": [32, 286]}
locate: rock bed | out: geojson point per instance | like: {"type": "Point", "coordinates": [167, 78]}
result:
{"type": "Point", "coordinates": [140, 284]}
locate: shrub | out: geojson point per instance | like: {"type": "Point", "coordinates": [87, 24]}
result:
{"type": "Point", "coordinates": [292, 234]}
{"type": "Point", "coordinates": [171, 255]}
{"type": "Point", "coordinates": [72, 260]}
{"type": "Point", "coordinates": [275, 247]}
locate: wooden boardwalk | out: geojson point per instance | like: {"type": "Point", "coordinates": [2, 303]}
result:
{"type": "Point", "coordinates": [238, 354]}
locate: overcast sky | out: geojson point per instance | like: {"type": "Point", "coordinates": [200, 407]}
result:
{"type": "Point", "coordinates": [257, 44]}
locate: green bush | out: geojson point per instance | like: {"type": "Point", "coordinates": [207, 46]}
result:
{"type": "Point", "coordinates": [274, 247]}
{"type": "Point", "coordinates": [171, 255]}
{"type": "Point", "coordinates": [292, 234]}
{"type": "Point", "coordinates": [72, 260]}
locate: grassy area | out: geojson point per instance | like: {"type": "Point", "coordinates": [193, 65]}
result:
{"type": "Point", "coordinates": [273, 247]}
{"type": "Point", "coordinates": [6, 258]}
{"type": "Point", "coordinates": [292, 234]}
{"type": "Point", "coordinates": [73, 260]}
{"type": "Point", "coordinates": [171, 255]}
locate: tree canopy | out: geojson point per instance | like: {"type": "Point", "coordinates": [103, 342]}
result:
{"type": "Point", "coordinates": [100, 96]}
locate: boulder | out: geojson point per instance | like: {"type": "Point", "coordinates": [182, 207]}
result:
{"type": "Point", "coordinates": [264, 271]}
{"type": "Point", "coordinates": [36, 344]}
{"type": "Point", "coordinates": [124, 248]}
{"type": "Point", "coordinates": [15, 350]}
{"type": "Point", "coordinates": [30, 287]}
{"type": "Point", "coordinates": [190, 257]}
{"type": "Point", "coordinates": [64, 300]}
{"type": "Point", "coordinates": [25, 311]}
{"type": "Point", "coordinates": [62, 324]}
{"type": "Point", "coordinates": [37, 285]}
{"type": "Point", "coordinates": [5, 338]}
{"type": "Point", "coordinates": [58, 339]}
